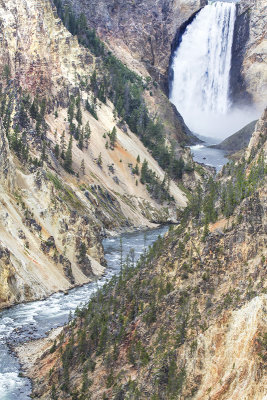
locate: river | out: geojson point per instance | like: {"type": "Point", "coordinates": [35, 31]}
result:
{"type": "Point", "coordinates": [204, 154]}
{"type": "Point", "coordinates": [28, 321]}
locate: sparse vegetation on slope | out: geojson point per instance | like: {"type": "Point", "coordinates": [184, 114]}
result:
{"type": "Point", "coordinates": [238, 140]}
{"type": "Point", "coordinates": [113, 80]}
{"type": "Point", "coordinates": [148, 333]}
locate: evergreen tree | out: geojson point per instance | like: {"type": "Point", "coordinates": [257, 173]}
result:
{"type": "Point", "coordinates": [113, 137]}
{"type": "Point", "coordinates": [87, 135]}
{"type": "Point", "coordinates": [15, 142]}
{"type": "Point", "coordinates": [6, 73]}
{"type": "Point", "coordinates": [62, 144]}
{"type": "Point", "coordinates": [99, 160]}
{"type": "Point", "coordinates": [82, 167]}
{"type": "Point", "coordinates": [79, 111]}
{"type": "Point", "coordinates": [34, 109]}
{"type": "Point", "coordinates": [57, 150]}
{"type": "Point", "coordinates": [144, 172]}
{"type": "Point", "coordinates": [91, 107]}
{"type": "Point", "coordinates": [71, 110]}
{"type": "Point", "coordinates": [23, 117]}
{"type": "Point", "coordinates": [68, 157]}
{"type": "Point", "coordinates": [43, 156]}
{"type": "Point", "coordinates": [93, 81]}
{"type": "Point", "coordinates": [82, 23]}
{"type": "Point", "coordinates": [135, 170]}
{"type": "Point", "coordinates": [81, 140]}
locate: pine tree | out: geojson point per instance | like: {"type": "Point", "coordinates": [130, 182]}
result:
{"type": "Point", "coordinates": [34, 109]}
{"type": "Point", "coordinates": [71, 110]}
{"type": "Point", "coordinates": [87, 135]}
{"type": "Point", "coordinates": [135, 170]}
{"type": "Point", "coordinates": [62, 144]}
{"type": "Point", "coordinates": [82, 167]}
{"type": "Point", "coordinates": [68, 157]}
{"type": "Point", "coordinates": [144, 171]}
{"type": "Point", "coordinates": [43, 156]}
{"type": "Point", "coordinates": [79, 111]}
{"type": "Point", "coordinates": [113, 138]}
{"type": "Point", "coordinates": [81, 140]}
{"type": "Point", "coordinates": [82, 23]}
{"type": "Point", "coordinates": [23, 117]}
{"type": "Point", "coordinates": [57, 150]}
{"type": "Point", "coordinates": [93, 81]}
{"type": "Point", "coordinates": [6, 73]}
{"type": "Point", "coordinates": [99, 160]}
{"type": "Point", "coordinates": [15, 143]}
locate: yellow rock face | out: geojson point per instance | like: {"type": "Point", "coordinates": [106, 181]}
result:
{"type": "Point", "coordinates": [41, 53]}
{"type": "Point", "coordinates": [46, 60]}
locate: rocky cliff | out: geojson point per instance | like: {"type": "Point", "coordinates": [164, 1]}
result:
{"type": "Point", "coordinates": [248, 75]}
{"type": "Point", "coordinates": [189, 321]}
{"type": "Point", "coordinates": [41, 232]}
{"type": "Point", "coordinates": [72, 169]}
{"type": "Point", "coordinates": [144, 34]}
{"type": "Point", "coordinates": [238, 140]}
{"type": "Point", "coordinates": [145, 30]}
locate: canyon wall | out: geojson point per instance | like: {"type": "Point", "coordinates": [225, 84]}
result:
{"type": "Point", "coordinates": [249, 73]}
{"type": "Point", "coordinates": [144, 34]}
{"type": "Point", "coordinates": [52, 220]}
{"type": "Point", "coordinates": [188, 322]}
{"type": "Point", "coordinates": [144, 29]}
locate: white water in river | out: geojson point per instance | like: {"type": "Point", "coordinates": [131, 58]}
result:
{"type": "Point", "coordinates": [201, 67]}
{"type": "Point", "coordinates": [29, 321]}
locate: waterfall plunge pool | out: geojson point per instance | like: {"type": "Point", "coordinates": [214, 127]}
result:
{"type": "Point", "coordinates": [28, 321]}
{"type": "Point", "coordinates": [200, 80]}
{"type": "Point", "coordinates": [212, 157]}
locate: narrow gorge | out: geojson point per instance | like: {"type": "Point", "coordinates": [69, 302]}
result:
{"type": "Point", "coordinates": [133, 230]}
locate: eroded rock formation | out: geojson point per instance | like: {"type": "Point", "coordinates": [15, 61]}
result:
{"type": "Point", "coordinates": [52, 222]}
{"type": "Point", "coordinates": [188, 323]}
{"type": "Point", "coordinates": [144, 29]}
{"type": "Point", "coordinates": [249, 75]}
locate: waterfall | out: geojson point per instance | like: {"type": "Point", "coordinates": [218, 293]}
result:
{"type": "Point", "coordinates": [201, 68]}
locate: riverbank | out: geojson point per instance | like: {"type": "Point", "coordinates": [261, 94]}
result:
{"type": "Point", "coordinates": [24, 327]}
{"type": "Point", "coordinates": [28, 353]}
{"type": "Point", "coordinates": [211, 157]}
{"type": "Point", "coordinates": [97, 268]}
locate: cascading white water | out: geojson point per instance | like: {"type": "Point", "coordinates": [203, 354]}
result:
{"type": "Point", "coordinates": [201, 66]}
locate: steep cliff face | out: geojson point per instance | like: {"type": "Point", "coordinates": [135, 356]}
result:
{"type": "Point", "coordinates": [41, 232]}
{"type": "Point", "coordinates": [143, 35]}
{"type": "Point", "coordinates": [7, 167]}
{"type": "Point", "coordinates": [53, 217]}
{"type": "Point", "coordinates": [258, 140]}
{"type": "Point", "coordinates": [143, 29]}
{"type": "Point", "coordinates": [189, 321]}
{"type": "Point", "coordinates": [41, 55]}
{"type": "Point", "coordinates": [248, 75]}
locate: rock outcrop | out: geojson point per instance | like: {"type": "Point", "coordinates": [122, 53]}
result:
{"type": "Point", "coordinates": [52, 219]}
{"type": "Point", "coordinates": [238, 140]}
{"type": "Point", "coordinates": [7, 167]}
{"type": "Point", "coordinates": [39, 232]}
{"type": "Point", "coordinates": [144, 29]}
{"type": "Point", "coordinates": [258, 140]}
{"type": "Point", "coordinates": [249, 75]}
{"type": "Point", "coordinates": [188, 322]}
{"type": "Point", "coordinates": [144, 34]}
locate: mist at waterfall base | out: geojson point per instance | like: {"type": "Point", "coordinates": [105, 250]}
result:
{"type": "Point", "coordinates": [213, 128]}
{"type": "Point", "coordinates": [201, 74]}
